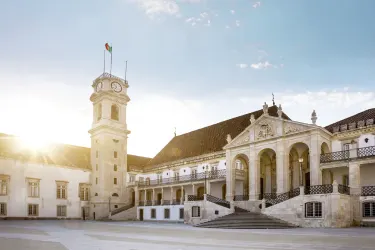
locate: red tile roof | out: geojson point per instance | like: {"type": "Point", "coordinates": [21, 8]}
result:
{"type": "Point", "coordinates": [206, 140]}
{"type": "Point", "coordinates": [362, 116]}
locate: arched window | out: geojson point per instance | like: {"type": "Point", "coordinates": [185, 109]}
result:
{"type": "Point", "coordinates": [99, 111]}
{"type": "Point", "coordinates": [114, 112]}
{"type": "Point", "coordinates": [115, 195]}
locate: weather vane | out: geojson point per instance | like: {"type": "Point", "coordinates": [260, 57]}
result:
{"type": "Point", "coordinates": [273, 99]}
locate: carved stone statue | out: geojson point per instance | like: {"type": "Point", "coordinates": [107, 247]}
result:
{"type": "Point", "coordinates": [229, 138]}
{"type": "Point", "coordinates": [265, 108]}
{"type": "Point", "coordinates": [314, 117]}
{"type": "Point", "coordinates": [280, 111]}
{"type": "Point", "coordinates": [252, 119]}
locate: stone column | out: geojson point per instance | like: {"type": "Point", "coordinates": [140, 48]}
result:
{"type": "Point", "coordinates": [296, 174]}
{"type": "Point", "coordinates": [145, 196]}
{"type": "Point", "coordinates": [136, 198]}
{"type": "Point", "coordinates": [229, 177]}
{"type": "Point", "coordinates": [182, 195]}
{"type": "Point", "coordinates": [208, 188]}
{"type": "Point", "coordinates": [162, 196]}
{"type": "Point", "coordinates": [315, 172]}
{"type": "Point", "coordinates": [355, 190]}
{"type": "Point", "coordinates": [281, 168]}
{"type": "Point", "coordinates": [268, 178]}
{"type": "Point", "coordinates": [254, 174]}
{"type": "Point", "coordinates": [153, 196]}
{"type": "Point", "coordinates": [193, 193]}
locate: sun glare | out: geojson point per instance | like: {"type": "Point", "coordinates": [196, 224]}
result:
{"type": "Point", "coordinates": [34, 143]}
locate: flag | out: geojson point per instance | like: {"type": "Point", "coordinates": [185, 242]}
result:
{"type": "Point", "coordinates": [108, 48]}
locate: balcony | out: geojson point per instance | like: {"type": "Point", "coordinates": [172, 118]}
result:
{"type": "Point", "coordinates": [209, 175]}
{"type": "Point", "coordinates": [347, 155]}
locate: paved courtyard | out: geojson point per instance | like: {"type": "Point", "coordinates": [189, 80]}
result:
{"type": "Point", "coordinates": [80, 235]}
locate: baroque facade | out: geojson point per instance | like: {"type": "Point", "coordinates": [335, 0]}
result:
{"type": "Point", "coordinates": [263, 162]}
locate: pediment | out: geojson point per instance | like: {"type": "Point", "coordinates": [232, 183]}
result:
{"type": "Point", "coordinates": [269, 127]}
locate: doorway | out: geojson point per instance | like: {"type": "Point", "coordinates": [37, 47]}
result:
{"type": "Point", "coordinates": [141, 214]}
{"type": "Point", "coordinates": [133, 198]}
{"type": "Point", "coordinates": [307, 179]}
{"type": "Point", "coordinates": [224, 191]}
{"type": "Point", "coordinates": [200, 192]}
{"type": "Point", "coordinates": [261, 188]}
{"type": "Point", "coordinates": [94, 215]}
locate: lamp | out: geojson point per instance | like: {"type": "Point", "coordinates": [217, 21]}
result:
{"type": "Point", "coordinates": [300, 170]}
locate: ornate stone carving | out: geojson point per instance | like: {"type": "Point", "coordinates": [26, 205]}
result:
{"type": "Point", "coordinates": [352, 125]}
{"type": "Point", "coordinates": [336, 129]}
{"type": "Point", "coordinates": [264, 130]}
{"type": "Point", "coordinates": [291, 129]}
{"type": "Point", "coordinates": [344, 127]}
{"type": "Point", "coordinates": [369, 122]}
{"type": "Point", "coordinates": [242, 140]}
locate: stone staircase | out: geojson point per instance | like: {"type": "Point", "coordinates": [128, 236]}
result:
{"type": "Point", "coordinates": [243, 219]}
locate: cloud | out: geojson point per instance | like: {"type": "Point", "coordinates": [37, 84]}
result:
{"type": "Point", "coordinates": [256, 5]}
{"type": "Point", "coordinates": [232, 11]}
{"type": "Point", "coordinates": [158, 7]}
{"type": "Point", "coordinates": [202, 18]}
{"type": "Point", "coordinates": [261, 65]}
{"type": "Point", "coordinates": [237, 23]}
{"type": "Point", "coordinates": [242, 65]}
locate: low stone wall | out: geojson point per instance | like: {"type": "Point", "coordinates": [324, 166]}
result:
{"type": "Point", "coordinates": [252, 206]}
{"type": "Point", "coordinates": [208, 211]}
{"type": "Point", "coordinates": [336, 210]}
{"type": "Point", "coordinates": [130, 214]}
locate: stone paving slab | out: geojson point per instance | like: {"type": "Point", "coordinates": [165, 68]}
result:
{"type": "Point", "coordinates": [82, 235]}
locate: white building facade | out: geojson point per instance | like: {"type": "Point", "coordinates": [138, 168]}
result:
{"type": "Point", "coordinates": [262, 162]}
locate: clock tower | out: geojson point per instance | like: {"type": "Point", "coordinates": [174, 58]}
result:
{"type": "Point", "coordinates": [108, 145]}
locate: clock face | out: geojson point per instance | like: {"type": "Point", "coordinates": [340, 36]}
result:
{"type": "Point", "coordinates": [116, 87]}
{"type": "Point", "coordinates": [99, 86]}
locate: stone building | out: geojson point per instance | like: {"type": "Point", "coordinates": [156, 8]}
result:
{"type": "Point", "coordinates": [263, 162]}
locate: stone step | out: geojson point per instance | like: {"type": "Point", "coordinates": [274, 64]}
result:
{"type": "Point", "coordinates": [249, 220]}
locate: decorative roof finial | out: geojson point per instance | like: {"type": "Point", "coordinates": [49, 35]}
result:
{"type": "Point", "coordinates": [175, 133]}
{"type": "Point", "coordinates": [280, 111]}
{"type": "Point", "coordinates": [314, 117]}
{"type": "Point", "coordinates": [273, 99]}
{"type": "Point", "coordinates": [252, 119]}
{"type": "Point", "coordinates": [265, 108]}
{"type": "Point", "coordinates": [229, 138]}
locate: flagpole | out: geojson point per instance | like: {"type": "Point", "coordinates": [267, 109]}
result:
{"type": "Point", "coordinates": [104, 63]}
{"type": "Point", "coordinates": [110, 73]}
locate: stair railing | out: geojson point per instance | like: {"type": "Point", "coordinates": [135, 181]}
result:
{"type": "Point", "coordinates": [218, 201]}
{"type": "Point", "coordinates": [121, 209]}
{"type": "Point", "coordinates": [282, 197]}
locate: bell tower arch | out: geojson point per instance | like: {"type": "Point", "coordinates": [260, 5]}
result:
{"type": "Point", "coordinates": [109, 134]}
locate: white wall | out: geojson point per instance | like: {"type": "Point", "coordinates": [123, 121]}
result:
{"type": "Point", "coordinates": [17, 198]}
{"type": "Point", "coordinates": [362, 143]}
{"type": "Point", "coordinates": [336, 146]}
{"type": "Point", "coordinates": [174, 213]}
{"type": "Point", "coordinates": [367, 174]}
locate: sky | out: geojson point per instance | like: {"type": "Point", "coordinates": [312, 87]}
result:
{"type": "Point", "coordinates": [191, 63]}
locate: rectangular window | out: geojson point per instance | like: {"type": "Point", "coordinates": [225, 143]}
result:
{"type": "Point", "coordinates": [153, 213]}
{"type": "Point", "coordinates": [3, 187]}
{"type": "Point", "coordinates": [166, 213]}
{"type": "Point", "coordinates": [97, 168]}
{"type": "Point", "coordinates": [194, 173]}
{"type": "Point", "coordinates": [346, 146]}
{"type": "Point", "coordinates": [97, 154]}
{"type": "Point", "coordinates": [61, 190]}
{"type": "Point", "coordinates": [345, 180]}
{"type": "Point", "coordinates": [131, 178]}
{"type": "Point", "coordinates": [3, 209]}
{"type": "Point", "coordinates": [368, 209]}
{"type": "Point", "coordinates": [115, 167]}
{"type": "Point", "coordinates": [115, 181]}
{"type": "Point", "coordinates": [196, 211]}
{"type": "Point", "coordinates": [313, 210]}
{"type": "Point", "coordinates": [160, 178]}
{"type": "Point", "coordinates": [115, 154]}
{"type": "Point", "coordinates": [176, 175]}
{"type": "Point", "coordinates": [33, 188]}
{"type": "Point", "coordinates": [61, 211]}
{"type": "Point", "coordinates": [33, 209]}
{"type": "Point", "coordinates": [84, 193]}
{"type": "Point", "coordinates": [181, 213]}
{"type": "Point", "coordinates": [96, 180]}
